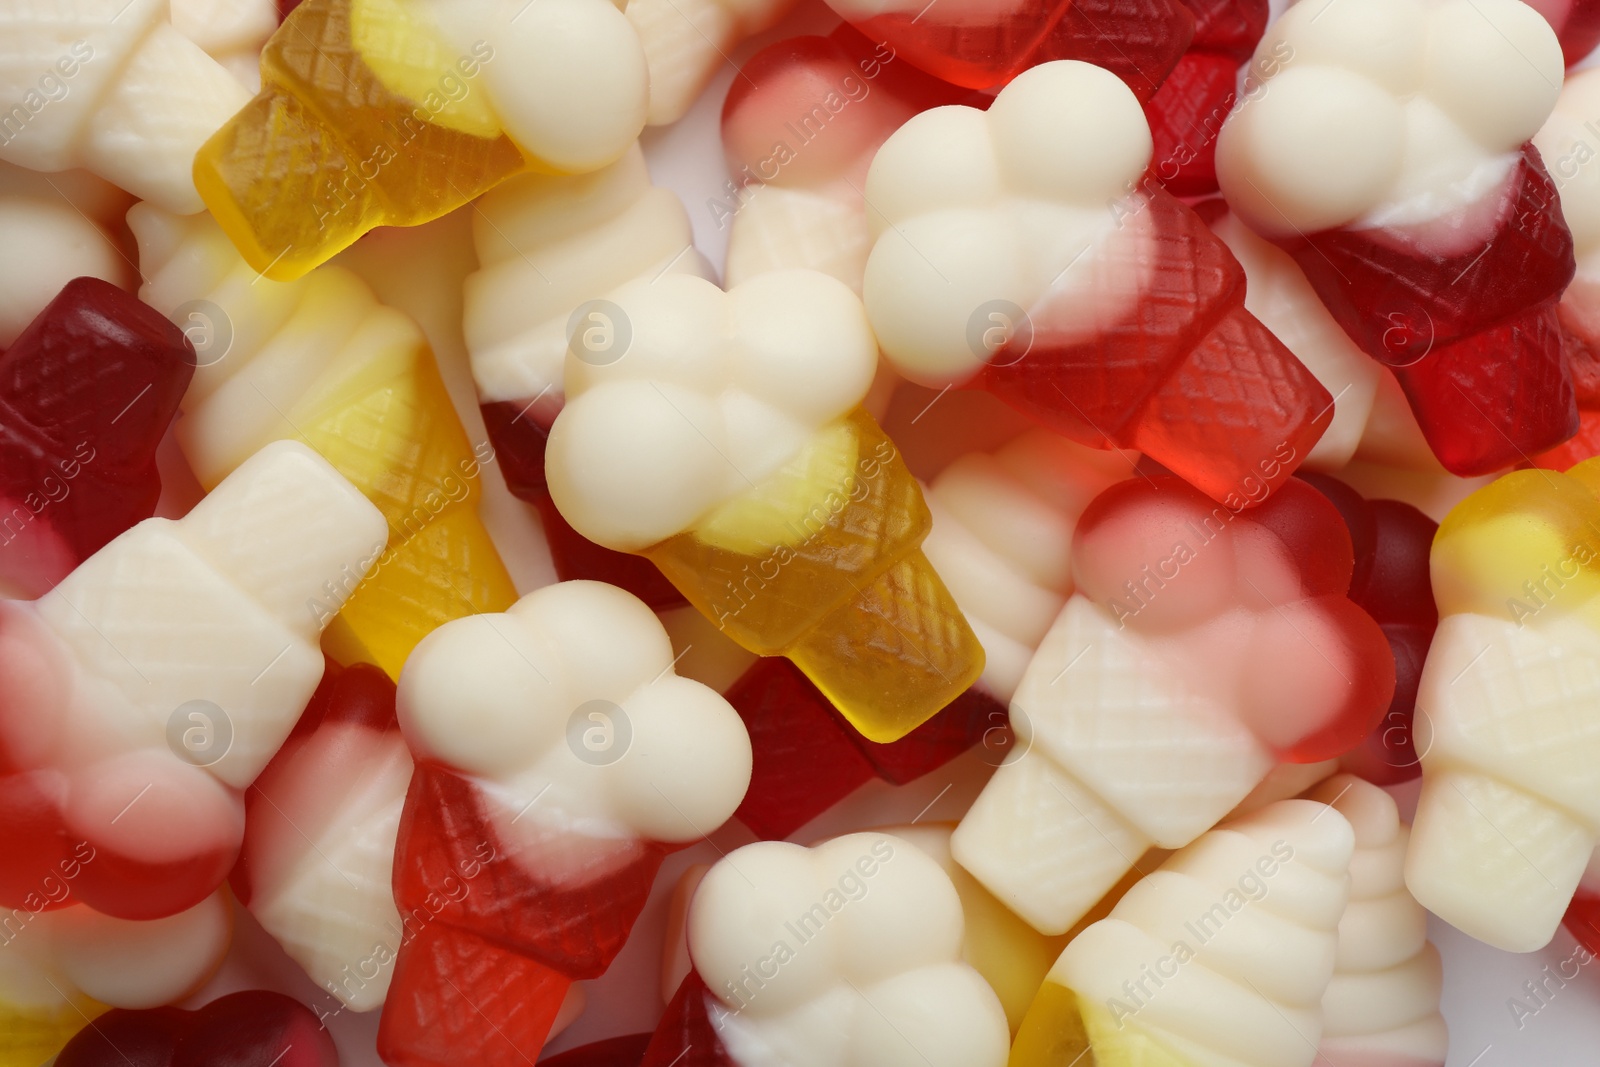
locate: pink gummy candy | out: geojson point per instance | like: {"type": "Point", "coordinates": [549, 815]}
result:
{"type": "Point", "coordinates": [1473, 338]}
{"type": "Point", "coordinates": [1391, 582]}
{"type": "Point", "coordinates": [967, 44]}
{"type": "Point", "coordinates": [86, 393]}
{"type": "Point", "coordinates": [808, 758]}
{"type": "Point", "coordinates": [1188, 111]}
{"type": "Point", "coordinates": [255, 1028]}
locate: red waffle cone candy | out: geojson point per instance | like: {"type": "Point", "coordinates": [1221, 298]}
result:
{"type": "Point", "coordinates": [1188, 111]}
{"type": "Point", "coordinates": [807, 758]}
{"type": "Point", "coordinates": [1473, 338]}
{"type": "Point", "coordinates": [86, 394]}
{"type": "Point", "coordinates": [254, 1028]}
{"type": "Point", "coordinates": [686, 1036]}
{"type": "Point", "coordinates": [487, 966]}
{"type": "Point", "coordinates": [1192, 379]}
{"type": "Point", "coordinates": [1391, 582]}
{"type": "Point", "coordinates": [626, 1051]}
{"type": "Point", "coordinates": [1137, 40]}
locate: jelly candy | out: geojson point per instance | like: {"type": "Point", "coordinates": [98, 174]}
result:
{"type": "Point", "coordinates": [388, 113]}
{"type": "Point", "coordinates": [1382, 1005]}
{"type": "Point", "coordinates": [559, 759]}
{"type": "Point", "coordinates": [1565, 142]}
{"type": "Point", "coordinates": [1404, 186]}
{"type": "Point", "coordinates": [1188, 111]}
{"type": "Point", "coordinates": [727, 445]}
{"type": "Point", "coordinates": [1507, 819]}
{"type": "Point", "coordinates": [112, 87]}
{"type": "Point", "coordinates": [1390, 583]}
{"type": "Point", "coordinates": [58, 227]}
{"type": "Point", "coordinates": [86, 393]}
{"type": "Point", "coordinates": [1582, 919]}
{"type": "Point", "coordinates": [1220, 956]}
{"type": "Point", "coordinates": [625, 1051]}
{"type": "Point", "coordinates": [150, 687]}
{"type": "Point", "coordinates": [849, 952]}
{"type": "Point", "coordinates": [320, 823]}
{"type": "Point", "coordinates": [1201, 647]}
{"type": "Point", "coordinates": [231, 32]}
{"type": "Point", "coordinates": [321, 361]}
{"type": "Point", "coordinates": [550, 247]}
{"type": "Point", "coordinates": [1577, 25]}
{"type": "Point", "coordinates": [979, 45]}
{"type": "Point", "coordinates": [254, 1028]}
{"type": "Point", "coordinates": [60, 968]}
{"type": "Point", "coordinates": [686, 41]}
{"type": "Point", "coordinates": [1001, 539]}
{"type": "Point", "coordinates": [800, 125]}
{"type": "Point", "coordinates": [1117, 326]}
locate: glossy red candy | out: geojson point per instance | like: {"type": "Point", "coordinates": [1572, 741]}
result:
{"type": "Point", "coordinates": [255, 1028]}
{"type": "Point", "coordinates": [686, 1035]}
{"type": "Point", "coordinates": [1191, 378]}
{"type": "Point", "coordinates": [1585, 444]}
{"type": "Point", "coordinates": [488, 968]}
{"type": "Point", "coordinates": [518, 434]}
{"type": "Point", "coordinates": [807, 758]}
{"type": "Point", "coordinates": [1473, 338]}
{"type": "Point", "coordinates": [968, 43]}
{"type": "Point", "coordinates": [626, 1051]}
{"type": "Point", "coordinates": [1582, 919]}
{"type": "Point", "coordinates": [1391, 582]}
{"type": "Point", "coordinates": [1577, 25]}
{"type": "Point", "coordinates": [86, 393]}
{"type": "Point", "coordinates": [1188, 111]}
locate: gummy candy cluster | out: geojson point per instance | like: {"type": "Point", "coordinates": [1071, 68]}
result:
{"type": "Point", "coordinates": [1063, 537]}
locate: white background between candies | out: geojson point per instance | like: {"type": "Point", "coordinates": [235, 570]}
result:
{"type": "Point", "coordinates": [420, 270]}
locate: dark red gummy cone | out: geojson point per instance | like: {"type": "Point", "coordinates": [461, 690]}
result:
{"type": "Point", "coordinates": [86, 394]}
{"type": "Point", "coordinates": [255, 1028]}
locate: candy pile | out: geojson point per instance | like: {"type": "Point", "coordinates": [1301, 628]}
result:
{"type": "Point", "coordinates": [1172, 422]}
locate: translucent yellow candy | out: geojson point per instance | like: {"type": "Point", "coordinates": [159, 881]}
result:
{"type": "Point", "coordinates": [392, 431]}
{"type": "Point", "coordinates": [1062, 1031]}
{"type": "Point", "coordinates": [31, 1037]}
{"type": "Point", "coordinates": [354, 127]}
{"type": "Point", "coordinates": [830, 573]}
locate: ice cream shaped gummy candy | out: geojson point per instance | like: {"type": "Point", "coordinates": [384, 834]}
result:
{"type": "Point", "coordinates": [86, 393]}
{"type": "Point", "coordinates": [1402, 181]}
{"type": "Point", "coordinates": [230, 31]}
{"type": "Point", "coordinates": [726, 443]}
{"type": "Point", "coordinates": [1382, 1005]}
{"type": "Point", "coordinates": [320, 360]}
{"type": "Point", "coordinates": [1001, 541]}
{"type": "Point", "coordinates": [1188, 111]}
{"type": "Point", "coordinates": [249, 1027]}
{"type": "Point", "coordinates": [151, 686]}
{"type": "Point", "coordinates": [800, 126]}
{"type": "Point", "coordinates": [550, 249]}
{"type": "Point", "coordinates": [559, 759]}
{"type": "Point", "coordinates": [320, 822]}
{"type": "Point", "coordinates": [1220, 956]}
{"type": "Point", "coordinates": [980, 45]}
{"type": "Point", "coordinates": [686, 41]}
{"type": "Point", "coordinates": [389, 113]}
{"type": "Point", "coordinates": [846, 953]}
{"type": "Point", "coordinates": [1508, 815]}
{"type": "Point", "coordinates": [1201, 647]}
{"type": "Point", "coordinates": [62, 967]}
{"type": "Point", "coordinates": [1016, 253]}
{"type": "Point", "coordinates": [110, 86]}
{"type": "Point", "coordinates": [58, 227]}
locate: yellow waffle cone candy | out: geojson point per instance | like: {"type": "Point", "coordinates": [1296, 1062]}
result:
{"type": "Point", "coordinates": [321, 361]}
{"type": "Point", "coordinates": [374, 112]}
{"type": "Point", "coordinates": [29, 1036]}
{"type": "Point", "coordinates": [825, 567]}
